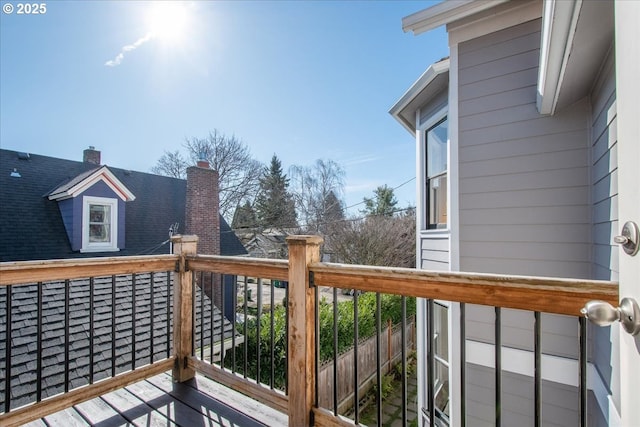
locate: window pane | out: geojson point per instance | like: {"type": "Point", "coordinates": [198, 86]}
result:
{"type": "Point", "coordinates": [436, 163]}
{"type": "Point", "coordinates": [437, 188]}
{"type": "Point", "coordinates": [437, 148]}
{"type": "Point", "coordinates": [442, 388]}
{"type": "Point", "coordinates": [442, 331]}
{"type": "Point", "coordinates": [99, 223]}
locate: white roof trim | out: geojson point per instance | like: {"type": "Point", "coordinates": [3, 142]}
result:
{"type": "Point", "coordinates": [444, 13]}
{"type": "Point", "coordinates": [100, 174]}
{"type": "Point", "coordinates": [559, 21]}
{"type": "Point", "coordinates": [414, 91]}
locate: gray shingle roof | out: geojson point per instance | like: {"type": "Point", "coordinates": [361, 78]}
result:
{"type": "Point", "coordinates": [31, 225]}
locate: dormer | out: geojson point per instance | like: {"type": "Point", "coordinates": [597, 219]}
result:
{"type": "Point", "coordinates": [92, 206]}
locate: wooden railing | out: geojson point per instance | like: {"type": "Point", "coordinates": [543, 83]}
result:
{"type": "Point", "coordinates": [304, 273]}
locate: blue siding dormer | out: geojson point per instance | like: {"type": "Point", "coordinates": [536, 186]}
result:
{"type": "Point", "coordinates": [93, 210]}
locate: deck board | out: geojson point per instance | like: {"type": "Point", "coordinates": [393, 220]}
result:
{"type": "Point", "coordinates": [159, 402]}
{"type": "Point", "coordinates": [98, 413]}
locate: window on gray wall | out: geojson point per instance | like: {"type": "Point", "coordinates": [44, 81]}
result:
{"type": "Point", "coordinates": [436, 170]}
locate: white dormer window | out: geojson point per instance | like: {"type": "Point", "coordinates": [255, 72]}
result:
{"type": "Point", "coordinates": [99, 224]}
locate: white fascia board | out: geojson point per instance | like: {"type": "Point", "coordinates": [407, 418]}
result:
{"type": "Point", "coordinates": [559, 21]}
{"type": "Point", "coordinates": [102, 174]}
{"type": "Point", "coordinates": [444, 13]}
{"type": "Point", "coordinates": [398, 111]}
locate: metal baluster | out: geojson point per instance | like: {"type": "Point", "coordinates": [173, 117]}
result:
{"type": "Point", "coordinates": [151, 316]}
{"type": "Point", "coordinates": [498, 365]}
{"type": "Point", "coordinates": [113, 326]}
{"type": "Point", "coordinates": [335, 351]}
{"type": "Point", "coordinates": [537, 370]}
{"type": "Point", "coordinates": [222, 319]}
{"type": "Point", "coordinates": [211, 317]}
{"type": "Point", "coordinates": [272, 335]}
{"type": "Point", "coordinates": [7, 381]}
{"type": "Point", "coordinates": [245, 344]}
{"type": "Point", "coordinates": [403, 337]}
{"type": "Point", "coordinates": [258, 324]}
{"type": "Point", "coordinates": [317, 344]}
{"type": "Point", "coordinates": [356, 403]}
{"type": "Point", "coordinates": [39, 344]}
{"type": "Point", "coordinates": [201, 293]}
{"type": "Point", "coordinates": [378, 361]}
{"type": "Point", "coordinates": [91, 328]}
{"type": "Point", "coordinates": [67, 328]}
{"type": "Point", "coordinates": [430, 363]}
{"type": "Point", "coordinates": [582, 322]}
{"type": "Point", "coordinates": [133, 321]}
{"type": "Point", "coordinates": [234, 288]}
{"type": "Point", "coordinates": [168, 326]}
{"type": "Point", "coordinates": [463, 366]}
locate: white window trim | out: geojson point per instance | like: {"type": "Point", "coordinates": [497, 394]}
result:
{"type": "Point", "coordinates": [421, 151]}
{"type": "Point", "coordinates": [87, 246]}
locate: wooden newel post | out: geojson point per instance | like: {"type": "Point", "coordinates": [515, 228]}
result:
{"type": "Point", "coordinates": [303, 250]}
{"type": "Point", "coordinates": [183, 246]}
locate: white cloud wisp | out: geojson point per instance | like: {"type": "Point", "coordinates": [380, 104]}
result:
{"type": "Point", "coordinates": [128, 48]}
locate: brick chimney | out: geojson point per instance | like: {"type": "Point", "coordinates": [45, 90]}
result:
{"type": "Point", "coordinates": [202, 218]}
{"type": "Point", "coordinates": [91, 155]}
{"type": "Point", "coordinates": [202, 209]}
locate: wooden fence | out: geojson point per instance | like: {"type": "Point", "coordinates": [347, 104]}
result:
{"type": "Point", "coordinates": [390, 354]}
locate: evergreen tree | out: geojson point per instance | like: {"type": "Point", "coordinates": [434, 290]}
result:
{"type": "Point", "coordinates": [275, 206]}
{"type": "Point", "coordinates": [244, 217]}
{"type": "Point", "coordinates": [332, 209]}
{"type": "Point", "coordinates": [383, 204]}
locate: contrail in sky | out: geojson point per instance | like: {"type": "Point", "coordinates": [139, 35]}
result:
{"type": "Point", "coordinates": [128, 48]}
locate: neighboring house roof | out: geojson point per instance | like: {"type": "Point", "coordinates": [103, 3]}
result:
{"type": "Point", "coordinates": [268, 243]}
{"type": "Point", "coordinates": [32, 227]}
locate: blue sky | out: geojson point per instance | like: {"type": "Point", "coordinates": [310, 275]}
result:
{"type": "Point", "coordinates": [303, 80]}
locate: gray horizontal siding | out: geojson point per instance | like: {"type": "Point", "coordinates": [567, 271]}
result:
{"type": "Point", "coordinates": [604, 155]}
{"type": "Point", "coordinates": [519, 170]}
{"type": "Point", "coordinates": [604, 195]}
{"type": "Point", "coordinates": [434, 252]}
{"type": "Point", "coordinates": [524, 208]}
{"type": "Point", "coordinates": [559, 402]}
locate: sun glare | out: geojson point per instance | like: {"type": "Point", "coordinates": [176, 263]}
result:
{"type": "Point", "coordinates": [167, 21]}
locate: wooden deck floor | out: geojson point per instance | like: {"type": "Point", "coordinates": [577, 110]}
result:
{"type": "Point", "coordinates": [159, 402]}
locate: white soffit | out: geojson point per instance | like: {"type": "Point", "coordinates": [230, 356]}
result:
{"type": "Point", "coordinates": [576, 36]}
{"type": "Point", "coordinates": [435, 77]}
{"type": "Point", "coordinates": [559, 21]}
{"type": "Point", "coordinates": [444, 13]}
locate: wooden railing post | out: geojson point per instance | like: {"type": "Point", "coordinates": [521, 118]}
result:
{"type": "Point", "coordinates": [183, 307]}
{"type": "Point", "coordinates": [303, 250]}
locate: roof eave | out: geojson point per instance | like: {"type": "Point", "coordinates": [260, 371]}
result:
{"type": "Point", "coordinates": [559, 21]}
{"type": "Point", "coordinates": [102, 173]}
{"type": "Point", "coordinates": [444, 13]}
{"type": "Point", "coordinates": [428, 77]}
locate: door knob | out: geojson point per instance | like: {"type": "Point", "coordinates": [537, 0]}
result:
{"type": "Point", "coordinates": [629, 237]}
{"type": "Point", "coordinates": [603, 314]}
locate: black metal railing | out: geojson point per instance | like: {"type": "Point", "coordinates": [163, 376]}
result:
{"type": "Point", "coordinates": [247, 328]}
{"type": "Point", "coordinates": [61, 335]}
